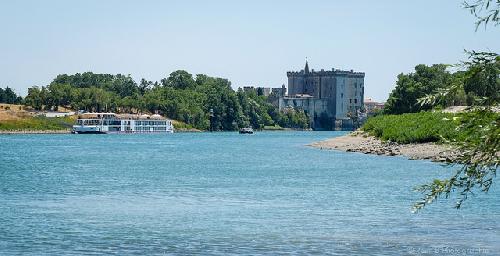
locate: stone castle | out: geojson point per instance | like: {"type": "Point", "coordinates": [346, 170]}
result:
{"type": "Point", "coordinates": [332, 99]}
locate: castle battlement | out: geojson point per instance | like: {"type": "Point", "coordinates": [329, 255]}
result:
{"type": "Point", "coordinates": [322, 72]}
{"type": "Point", "coordinates": [327, 96]}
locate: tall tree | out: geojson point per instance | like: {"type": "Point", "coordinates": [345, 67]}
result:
{"type": "Point", "coordinates": [179, 79]}
{"type": "Point", "coordinates": [411, 87]}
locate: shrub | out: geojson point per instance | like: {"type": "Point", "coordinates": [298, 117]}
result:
{"type": "Point", "coordinates": [414, 127]}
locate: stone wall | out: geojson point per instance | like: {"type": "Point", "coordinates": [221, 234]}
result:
{"type": "Point", "coordinates": [318, 110]}
{"type": "Point", "coordinates": [334, 94]}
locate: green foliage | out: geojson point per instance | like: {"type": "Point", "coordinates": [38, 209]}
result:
{"type": "Point", "coordinates": [256, 111]}
{"type": "Point", "coordinates": [36, 97]}
{"type": "Point", "coordinates": [273, 128]}
{"type": "Point", "coordinates": [480, 133]}
{"type": "Point", "coordinates": [223, 101]}
{"type": "Point", "coordinates": [179, 79]}
{"type": "Point", "coordinates": [179, 104]}
{"type": "Point", "coordinates": [480, 126]}
{"type": "Point", "coordinates": [8, 96]}
{"type": "Point", "coordinates": [482, 79]}
{"type": "Point", "coordinates": [180, 96]}
{"type": "Point", "coordinates": [413, 86]}
{"type": "Point", "coordinates": [485, 11]}
{"type": "Point", "coordinates": [294, 118]}
{"type": "Point", "coordinates": [415, 127]}
{"type": "Point", "coordinates": [37, 124]}
{"type": "Point", "coordinates": [178, 125]}
{"type": "Point", "coordinates": [479, 161]}
{"type": "Point", "coordinates": [476, 134]}
{"type": "Point", "coordinates": [435, 87]}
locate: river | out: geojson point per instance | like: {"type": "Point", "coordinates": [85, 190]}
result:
{"type": "Point", "coordinates": [226, 193]}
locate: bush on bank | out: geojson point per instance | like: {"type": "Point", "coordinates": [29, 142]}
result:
{"type": "Point", "coordinates": [429, 127]}
{"type": "Point", "coordinates": [414, 127]}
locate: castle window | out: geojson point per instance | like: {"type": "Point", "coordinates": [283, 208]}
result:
{"type": "Point", "coordinates": [350, 100]}
{"type": "Point", "coordinates": [355, 100]}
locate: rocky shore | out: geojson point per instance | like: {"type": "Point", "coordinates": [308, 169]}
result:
{"type": "Point", "coordinates": [363, 143]}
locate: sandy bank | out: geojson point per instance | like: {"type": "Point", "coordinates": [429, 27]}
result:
{"type": "Point", "coordinates": [362, 143]}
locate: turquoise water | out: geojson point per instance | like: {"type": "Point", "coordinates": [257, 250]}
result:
{"type": "Point", "coordinates": [225, 193]}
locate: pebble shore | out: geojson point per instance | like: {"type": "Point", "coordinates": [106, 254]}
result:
{"type": "Point", "coordinates": [363, 143]}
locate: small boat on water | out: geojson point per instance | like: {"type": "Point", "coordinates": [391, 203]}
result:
{"type": "Point", "coordinates": [122, 123]}
{"type": "Point", "coordinates": [247, 130]}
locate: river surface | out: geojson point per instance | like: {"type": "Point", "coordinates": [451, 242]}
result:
{"type": "Point", "coordinates": [225, 193]}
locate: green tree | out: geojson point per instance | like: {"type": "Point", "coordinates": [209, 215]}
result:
{"type": "Point", "coordinates": [411, 87]}
{"type": "Point", "coordinates": [179, 79]}
{"type": "Point", "coordinates": [8, 96]}
{"type": "Point", "coordinates": [59, 94]}
{"type": "Point", "coordinates": [482, 78]}
{"type": "Point", "coordinates": [145, 86]}
{"type": "Point", "coordinates": [34, 98]}
{"type": "Point", "coordinates": [180, 96]}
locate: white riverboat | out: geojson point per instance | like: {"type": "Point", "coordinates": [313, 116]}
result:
{"type": "Point", "coordinates": [122, 123]}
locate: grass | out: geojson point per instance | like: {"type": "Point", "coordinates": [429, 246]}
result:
{"type": "Point", "coordinates": [179, 125]}
{"type": "Point", "coordinates": [38, 124]}
{"type": "Point", "coordinates": [415, 127]}
{"type": "Point", "coordinates": [273, 128]}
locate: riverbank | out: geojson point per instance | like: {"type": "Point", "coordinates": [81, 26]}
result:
{"type": "Point", "coordinates": [69, 131]}
{"type": "Point", "coordinates": [14, 119]}
{"type": "Point", "coordinates": [363, 143]}
{"type": "Point", "coordinates": [37, 132]}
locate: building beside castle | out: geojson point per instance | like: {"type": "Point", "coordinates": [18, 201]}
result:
{"type": "Point", "coordinates": [279, 92]}
{"type": "Point", "coordinates": [333, 99]}
{"type": "Point", "coordinates": [264, 91]}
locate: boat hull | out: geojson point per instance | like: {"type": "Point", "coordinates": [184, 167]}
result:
{"type": "Point", "coordinates": [246, 131]}
{"type": "Point", "coordinates": [89, 132]}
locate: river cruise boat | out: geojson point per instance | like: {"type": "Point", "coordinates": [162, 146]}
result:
{"type": "Point", "coordinates": [122, 123]}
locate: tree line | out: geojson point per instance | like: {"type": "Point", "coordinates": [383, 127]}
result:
{"type": "Point", "coordinates": [194, 100]}
{"type": "Point", "coordinates": [8, 96]}
{"type": "Point", "coordinates": [435, 86]}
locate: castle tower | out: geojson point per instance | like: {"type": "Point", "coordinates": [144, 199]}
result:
{"type": "Point", "coordinates": [328, 97]}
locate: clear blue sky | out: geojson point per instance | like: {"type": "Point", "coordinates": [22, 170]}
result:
{"type": "Point", "coordinates": [248, 42]}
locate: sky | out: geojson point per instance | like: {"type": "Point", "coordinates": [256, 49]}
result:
{"type": "Point", "coordinates": [248, 42]}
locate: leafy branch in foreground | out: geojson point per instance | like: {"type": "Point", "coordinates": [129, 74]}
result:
{"type": "Point", "coordinates": [481, 124]}
{"type": "Point", "coordinates": [485, 11]}
{"type": "Point", "coordinates": [479, 160]}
